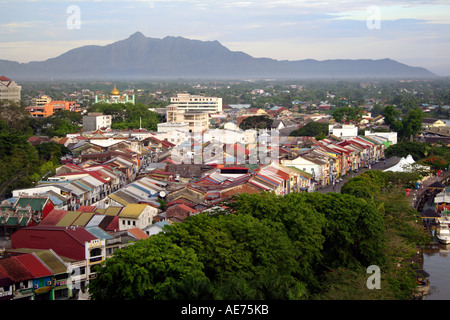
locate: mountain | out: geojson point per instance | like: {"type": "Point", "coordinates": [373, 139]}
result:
{"type": "Point", "coordinates": [140, 57]}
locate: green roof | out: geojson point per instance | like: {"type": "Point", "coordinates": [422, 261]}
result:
{"type": "Point", "coordinates": [48, 257]}
{"type": "Point", "coordinates": [68, 219]}
{"type": "Point", "coordinates": [83, 219]}
{"type": "Point", "coordinates": [112, 211]}
{"type": "Point", "coordinates": [36, 204]}
{"type": "Point", "coordinates": [303, 173]}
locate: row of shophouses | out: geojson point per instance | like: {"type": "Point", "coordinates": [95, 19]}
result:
{"type": "Point", "coordinates": [104, 199]}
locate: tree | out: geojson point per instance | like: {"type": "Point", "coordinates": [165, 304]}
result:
{"type": "Point", "coordinates": [240, 249]}
{"type": "Point", "coordinates": [311, 129]}
{"type": "Point", "coordinates": [256, 122]}
{"type": "Point", "coordinates": [154, 268]}
{"type": "Point", "coordinates": [348, 114]}
{"type": "Point", "coordinates": [129, 116]}
{"type": "Point", "coordinates": [404, 148]}
{"type": "Point", "coordinates": [412, 123]}
{"type": "Point", "coordinates": [353, 232]}
{"type": "Point", "coordinates": [390, 114]}
{"type": "Point", "coordinates": [51, 151]}
{"type": "Point", "coordinates": [13, 115]}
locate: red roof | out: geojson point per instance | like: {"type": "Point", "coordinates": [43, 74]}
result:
{"type": "Point", "coordinates": [53, 217]}
{"type": "Point", "coordinates": [3, 78]}
{"type": "Point", "coordinates": [178, 201]}
{"type": "Point", "coordinates": [114, 225]}
{"type": "Point", "coordinates": [14, 270]}
{"type": "Point", "coordinates": [87, 208]}
{"type": "Point", "coordinates": [33, 265]}
{"type": "Point", "coordinates": [67, 242]}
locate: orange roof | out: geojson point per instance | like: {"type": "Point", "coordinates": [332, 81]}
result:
{"type": "Point", "coordinates": [138, 233]}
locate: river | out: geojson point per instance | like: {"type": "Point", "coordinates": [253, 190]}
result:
{"type": "Point", "coordinates": [437, 264]}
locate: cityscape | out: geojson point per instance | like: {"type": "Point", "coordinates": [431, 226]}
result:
{"type": "Point", "coordinates": [176, 169]}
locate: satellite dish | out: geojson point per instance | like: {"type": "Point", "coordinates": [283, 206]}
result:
{"type": "Point", "coordinates": [162, 194]}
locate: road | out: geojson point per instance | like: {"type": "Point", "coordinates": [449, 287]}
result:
{"type": "Point", "coordinates": [381, 165]}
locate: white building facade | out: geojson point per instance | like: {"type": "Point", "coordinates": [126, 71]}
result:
{"type": "Point", "coordinates": [187, 102]}
{"type": "Point", "coordinates": [9, 90]}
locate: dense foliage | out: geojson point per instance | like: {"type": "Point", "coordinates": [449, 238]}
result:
{"type": "Point", "coordinates": [348, 114]}
{"type": "Point", "coordinates": [128, 115]}
{"type": "Point", "coordinates": [22, 164]}
{"type": "Point", "coordinates": [256, 122]}
{"type": "Point", "coordinates": [407, 126]}
{"type": "Point", "coordinates": [312, 129]}
{"type": "Point", "coordinates": [435, 156]}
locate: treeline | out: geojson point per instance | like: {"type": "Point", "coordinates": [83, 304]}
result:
{"type": "Point", "coordinates": [264, 246]}
{"type": "Point", "coordinates": [22, 164]}
{"type": "Point", "coordinates": [128, 116]}
{"type": "Point", "coordinates": [437, 157]}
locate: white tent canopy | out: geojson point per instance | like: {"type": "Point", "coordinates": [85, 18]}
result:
{"type": "Point", "coordinates": [407, 165]}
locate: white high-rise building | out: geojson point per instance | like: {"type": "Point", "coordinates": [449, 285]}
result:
{"type": "Point", "coordinates": [9, 90]}
{"type": "Point", "coordinates": [95, 120]}
{"type": "Point", "coordinates": [187, 102]}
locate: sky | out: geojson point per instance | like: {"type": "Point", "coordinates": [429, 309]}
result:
{"type": "Point", "coordinates": [414, 32]}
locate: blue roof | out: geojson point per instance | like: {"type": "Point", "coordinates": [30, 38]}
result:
{"type": "Point", "coordinates": [161, 224]}
{"type": "Point", "coordinates": [12, 200]}
{"type": "Point", "coordinates": [56, 201]}
{"type": "Point", "coordinates": [143, 189]}
{"type": "Point", "coordinates": [99, 233]}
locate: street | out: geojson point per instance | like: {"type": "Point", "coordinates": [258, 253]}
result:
{"type": "Point", "coordinates": [381, 165]}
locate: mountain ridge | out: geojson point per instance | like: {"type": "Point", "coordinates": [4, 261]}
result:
{"type": "Point", "coordinates": [141, 57]}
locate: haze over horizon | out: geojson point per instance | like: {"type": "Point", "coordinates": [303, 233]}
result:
{"type": "Point", "coordinates": [411, 32]}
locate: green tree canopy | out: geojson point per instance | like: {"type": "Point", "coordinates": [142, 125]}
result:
{"type": "Point", "coordinates": [348, 114]}
{"type": "Point", "coordinates": [256, 122]}
{"type": "Point", "coordinates": [128, 116]}
{"type": "Point", "coordinates": [311, 129]}
{"type": "Point", "coordinates": [150, 269]}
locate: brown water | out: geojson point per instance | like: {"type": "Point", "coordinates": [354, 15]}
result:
{"type": "Point", "coordinates": [437, 264]}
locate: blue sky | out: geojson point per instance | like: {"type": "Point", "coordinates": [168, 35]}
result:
{"type": "Point", "coordinates": [415, 32]}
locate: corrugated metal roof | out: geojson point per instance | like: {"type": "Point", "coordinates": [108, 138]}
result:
{"type": "Point", "coordinates": [132, 210]}
{"type": "Point", "coordinates": [53, 217]}
{"type": "Point", "coordinates": [95, 220]}
{"type": "Point", "coordinates": [52, 261]}
{"type": "Point", "coordinates": [112, 211]}
{"type": "Point", "coordinates": [36, 204]}
{"type": "Point", "coordinates": [13, 269]}
{"type": "Point", "coordinates": [68, 219]}
{"type": "Point", "coordinates": [99, 233]}
{"type": "Point", "coordinates": [118, 199]}
{"type": "Point", "coordinates": [34, 265]}
{"type": "Point", "coordinates": [83, 219]}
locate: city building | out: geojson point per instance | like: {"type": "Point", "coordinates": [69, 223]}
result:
{"type": "Point", "coordinates": [115, 97]}
{"type": "Point", "coordinates": [9, 90]}
{"type": "Point", "coordinates": [44, 106]}
{"type": "Point", "coordinates": [136, 215]}
{"type": "Point", "coordinates": [94, 121]}
{"type": "Point", "coordinates": [187, 102]}
{"type": "Point", "coordinates": [343, 131]}
{"type": "Point", "coordinates": [198, 121]}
